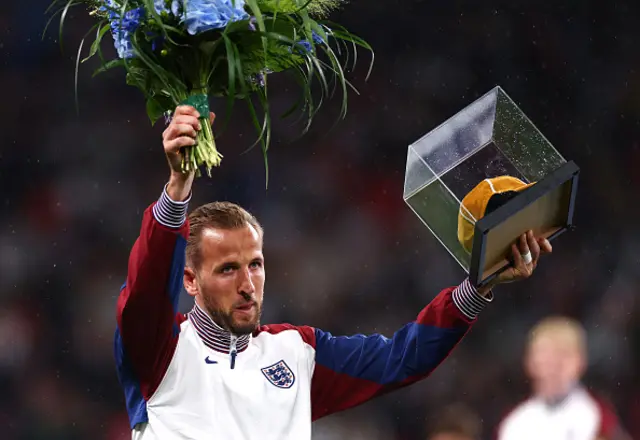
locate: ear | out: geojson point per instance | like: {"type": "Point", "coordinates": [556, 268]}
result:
{"type": "Point", "coordinates": [191, 281]}
{"type": "Point", "coordinates": [582, 365]}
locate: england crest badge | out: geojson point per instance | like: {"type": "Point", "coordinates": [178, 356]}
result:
{"type": "Point", "coordinates": [279, 374]}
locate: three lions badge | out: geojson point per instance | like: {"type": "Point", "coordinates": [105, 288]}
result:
{"type": "Point", "coordinates": [279, 374]}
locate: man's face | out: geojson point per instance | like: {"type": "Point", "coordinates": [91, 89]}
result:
{"type": "Point", "coordinates": [554, 364]}
{"type": "Point", "coordinates": [229, 284]}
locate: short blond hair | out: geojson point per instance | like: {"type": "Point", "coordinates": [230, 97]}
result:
{"type": "Point", "coordinates": [216, 215]}
{"type": "Point", "coordinates": [560, 328]}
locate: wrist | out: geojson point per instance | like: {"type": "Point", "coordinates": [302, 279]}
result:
{"type": "Point", "coordinates": [179, 186]}
{"type": "Point", "coordinates": [485, 290]}
{"type": "Point", "coordinates": [468, 300]}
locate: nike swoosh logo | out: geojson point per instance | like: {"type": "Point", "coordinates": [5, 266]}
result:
{"type": "Point", "coordinates": [209, 361]}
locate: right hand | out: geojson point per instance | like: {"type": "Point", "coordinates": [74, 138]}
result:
{"type": "Point", "coordinates": [180, 133]}
{"type": "Point", "coordinates": [519, 269]}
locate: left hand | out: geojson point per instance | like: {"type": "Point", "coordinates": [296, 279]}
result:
{"type": "Point", "coordinates": [521, 269]}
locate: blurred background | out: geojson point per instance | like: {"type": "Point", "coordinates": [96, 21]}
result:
{"type": "Point", "coordinates": [344, 253]}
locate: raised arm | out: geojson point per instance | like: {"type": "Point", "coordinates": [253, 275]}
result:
{"type": "Point", "coordinates": [146, 310]}
{"type": "Point", "coordinates": [351, 370]}
{"type": "Point", "coordinates": [147, 320]}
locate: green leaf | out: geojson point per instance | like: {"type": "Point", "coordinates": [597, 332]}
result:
{"type": "Point", "coordinates": [76, 76]}
{"type": "Point", "coordinates": [341, 33]}
{"type": "Point", "coordinates": [231, 81]}
{"type": "Point", "coordinates": [50, 20]}
{"type": "Point", "coordinates": [278, 56]}
{"type": "Point", "coordinates": [108, 66]}
{"type": "Point", "coordinates": [165, 28]}
{"type": "Point", "coordinates": [103, 28]}
{"type": "Point", "coordinates": [155, 110]}
{"type": "Point", "coordinates": [137, 77]}
{"type": "Point", "coordinates": [209, 47]}
{"type": "Point", "coordinates": [169, 81]}
{"type": "Point", "coordinates": [321, 8]}
{"type": "Point", "coordinates": [63, 17]}
{"type": "Point", "coordinates": [283, 6]}
{"type": "Point", "coordinates": [264, 130]}
{"type": "Point", "coordinates": [260, 22]}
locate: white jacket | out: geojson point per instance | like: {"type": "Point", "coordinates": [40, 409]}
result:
{"type": "Point", "coordinates": [578, 416]}
{"type": "Point", "coordinates": [186, 378]}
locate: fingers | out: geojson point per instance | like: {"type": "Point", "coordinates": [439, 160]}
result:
{"type": "Point", "coordinates": [176, 144]}
{"type": "Point", "coordinates": [186, 110]}
{"type": "Point", "coordinates": [545, 246]}
{"type": "Point", "coordinates": [519, 269]}
{"type": "Point", "coordinates": [523, 268]}
{"type": "Point", "coordinates": [177, 136]}
{"type": "Point", "coordinates": [523, 244]}
{"type": "Point", "coordinates": [534, 248]}
{"type": "Point", "coordinates": [175, 131]}
{"type": "Point", "coordinates": [517, 256]}
{"type": "Point", "coordinates": [183, 129]}
{"type": "Point", "coordinates": [188, 120]}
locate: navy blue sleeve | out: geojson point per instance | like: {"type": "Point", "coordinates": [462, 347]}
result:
{"type": "Point", "coordinates": [351, 370]}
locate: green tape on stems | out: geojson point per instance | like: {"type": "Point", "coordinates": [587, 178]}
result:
{"type": "Point", "coordinates": [200, 103]}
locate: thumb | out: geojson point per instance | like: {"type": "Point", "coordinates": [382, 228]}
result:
{"type": "Point", "coordinates": [212, 117]}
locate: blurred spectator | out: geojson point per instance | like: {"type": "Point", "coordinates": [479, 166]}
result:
{"type": "Point", "coordinates": [455, 422]}
{"type": "Point", "coordinates": [560, 407]}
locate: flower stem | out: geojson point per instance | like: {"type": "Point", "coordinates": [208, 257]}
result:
{"type": "Point", "coordinates": [204, 152]}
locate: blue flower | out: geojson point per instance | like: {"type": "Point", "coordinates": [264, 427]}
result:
{"type": "Point", "coordinates": [317, 39]}
{"type": "Point", "coordinates": [304, 46]}
{"type": "Point", "coordinates": [173, 7]}
{"type": "Point", "coordinates": [112, 9]}
{"type": "Point", "coordinates": [204, 15]}
{"type": "Point", "coordinates": [160, 6]}
{"type": "Point", "coordinates": [123, 27]}
{"type": "Point", "coordinates": [258, 79]}
{"type": "Point", "coordinates": [176, 8]}
{"type": "Point", "coordinates": [132, 19]}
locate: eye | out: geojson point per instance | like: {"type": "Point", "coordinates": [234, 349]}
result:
{"type": "Point", "coordinates": [256, 264]}
{"type": "Point", "coordinates": [227, 269]}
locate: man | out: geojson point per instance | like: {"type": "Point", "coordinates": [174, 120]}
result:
{"type": "Point", "coordinates": [216, 373]}
{"type": "Point", "coordinates": [560, 407]}
{"type": "Point", "coordinates": [455, 422]}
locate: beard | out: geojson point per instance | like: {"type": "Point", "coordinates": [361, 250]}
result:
{"type": "Point", "coordinates": [226, 320]}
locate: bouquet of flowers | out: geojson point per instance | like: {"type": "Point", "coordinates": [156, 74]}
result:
{"type": "Point", "coordinates": [186, 51]}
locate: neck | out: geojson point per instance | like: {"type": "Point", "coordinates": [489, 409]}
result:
{"type": "Point", "coordinates": [555, 399]}
{"type": "Point", "coordinates": [213, 335]}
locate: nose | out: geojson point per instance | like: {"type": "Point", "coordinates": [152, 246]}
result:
{"type": "Point", "coordinates": [246, 284]}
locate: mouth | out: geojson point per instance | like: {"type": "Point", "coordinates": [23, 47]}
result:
{"type": "Point", "coordinates": [245, 307]}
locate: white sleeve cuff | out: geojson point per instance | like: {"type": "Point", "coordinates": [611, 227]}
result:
{"type": "Point", "coordinates": [468, 300]}
{"type": "Point", "coordinates": [170, 213]}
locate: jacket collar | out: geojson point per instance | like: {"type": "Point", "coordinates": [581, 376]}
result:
{"type": "Point", "coordinates": [214, 336]}
{"type": "Point", "coordinates": [557, 401]}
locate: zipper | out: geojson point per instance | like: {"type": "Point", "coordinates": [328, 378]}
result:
{"type": "Point", "coordinates": [233, 351]}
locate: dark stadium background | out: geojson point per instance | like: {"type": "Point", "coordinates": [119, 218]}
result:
{"type": "Point", "coordinates": [343, 251]}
